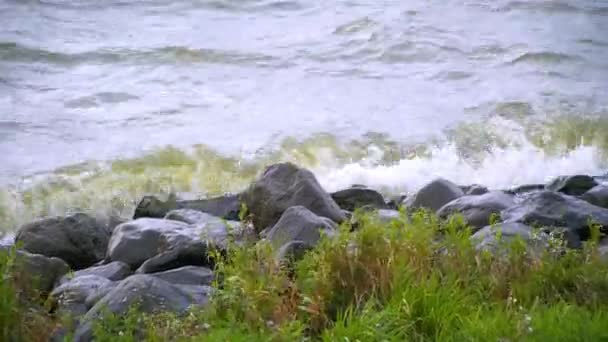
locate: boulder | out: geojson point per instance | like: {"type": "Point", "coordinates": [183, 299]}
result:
{"type": "Point", "coordinates": [116, 270]}
{"type": "Point", "coordinates": [477, 210]}
{"type": "Point", "coordinates": [71, 296]}
{"type": "Point", "coordinates": [285, 185]}
{"type": "Point", "coordinates": [434, 195]}
{"type": "Point", "coordinates": [358, 197]}
{"type": "Point", "coordinates": [150, 294]}
{"type": "Point", "coordinates": [187, 275]}
{"type": "Point", "coordinates": [492, 238]}
{"type": "Point", "coordinates": [79, 239]}
{"type": "Point", "coordinates": [140, 240]}
{"type": "Point", "coordinates": [226, 207]}
{"type": "Point", "coordinates": [395, 201]}
{"type": "Point", "coordinates": [293, 251]}
{"type": "Point", "coordinates": [526, 188]}
{"type": "Point", "coordinates": [474, 189]}
{"type": "Point", "coordinates": [300, 224]}
{"type": "Point", "coordinates": [572, 185]}
{"type": "Point", "coordinates": [553, 210]}
{"type": "Point", "coordinates": [388, 215]}
{"type": "Point", "coordinates": [36, 271]}
{"type": "Point", "coordinates": [597, 196]}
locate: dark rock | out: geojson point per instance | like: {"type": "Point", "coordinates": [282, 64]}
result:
{"type": "Point", "coordinates": [70, 297]}
{"type": "Point", "coordinates": [99, 293]}
{"type": "Point", "coordinates": [286, 185]}
{"type": "Point", "coordinates": [394, 202]}
{"type": "Point", "coordinates": [434, 195]}
{"type": "Point", "coordinates": [150, 294]}
{"type": "Point", "coordinates": [226, 207]}
{"type": "Point", "coordinates": [597, 196]}
{"type": "Point", "coordinates": [36, 271]}
{"type": "Point", "coordinates": [78, 239]}
{"type": "Point", "coordinates": [477, 210]}
{"type": "Point", "coordinates": [572, 185]}
{"type": "Point", "coordinates": [490, 238]}
{"type": "Point", "coordinates": [300, 224]}
{"type": "Point", "coordinates": [474, 189]}
{"type": "Point", "coordinates": [113, 271]}
{"type": "Point", "coordinates": [527, 188]}
{"type": "Point", "coordinates": [188, 253]}
{"type": "Point", "coordinates": [357, 197]}
{"type": "Point", "coordinates": [293, 251]}
{"type": "Point", "coordinates": [551, 210]}
{"type": "Point", "coordinates": [187, 275]}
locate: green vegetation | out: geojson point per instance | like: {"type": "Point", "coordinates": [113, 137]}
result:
{"type": "Point", "coordinates": [417, 279]}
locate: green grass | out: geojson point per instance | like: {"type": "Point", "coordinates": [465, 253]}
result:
{"type": "Point", "coordinates": [417, 279]}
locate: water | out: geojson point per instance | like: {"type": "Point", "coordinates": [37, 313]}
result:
{"type": "Point", "coordinates": [385, 93]}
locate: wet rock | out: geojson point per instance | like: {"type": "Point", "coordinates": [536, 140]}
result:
{"type": "Point", "coordinates": [477, 210]}
{"type": "Point", "coordinates": [36, 271]}
{"type": "Point", "coordinates": [394, 202]}
{"type": "Point", "coordinates": [113, 271]}
{"type": "Point", "coordinates": [552, 210]}
{"type": "Point", "coordinates": [147, 239]}
{"type": "Point", "coordinates": [286, 185]}
{"type": "Point", "coordinates": [526, 188]}
{"type": "Point", "coordinates": [300, 224]}
{"type": "Point", "coordinates": [434, 195]}
{"type": "Point", "coordinates": [226, 207]}
{"type": "Point", "coordinates": [70, 297]}
{"type": "Point", "coordinates": [492, 238]}
{"type": "Point", "coordinates": [474, 189]}
{"type": "Point", "coordinates": [149, 293]}
{"type": "Point", "coordinates": [597, 196]}
{"type": "Point", "coordinates": [79, 239]}
{"type": "Point", "coordinates": [358, 197]}
{"type": "Point", "coordinates": [187, 275]}
{"type": "Point", "coordinates": [572, 185]}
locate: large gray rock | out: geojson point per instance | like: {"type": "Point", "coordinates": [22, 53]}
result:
{"type": "Point", "coordinates": [552, 210]}
{"type": "Point", "coordinates": [137, 241]}
{"type": "Point", "coordinates": [493, 238]}
{"type": "Point", "coordinates": [474, 189]}
{"type": "Point", "coordinates": [300, 224]}
{"type": "Point", "coordinates": [358, 197]}
{"type": "Point", "coordinates": [572, 185]}
{"type": "Point", "coordinates": [477, 210]}
{"type": "Point", "coordinates": [116, 270]}
{"type": "Point", "coordinates": [597, 196]}
{"type": "Point", "coordinates": [293, 251]}
{"type": "Point", "coordinates": [187, 275]}
{"type": "Point", "coordinates": [150, 294]}
{"type": "Point", "coordinates": [434, 195]}
{"type": "Point", "coordinates": [286, 185]}
{"type": "Point", "coordinates": [79, 239]}
{"type": "Point", "coordinates": [38, 272]}
{"type": "Point", "coordinates": [227, 207]}
{"type": "Point", "coordinates": [71, 296]}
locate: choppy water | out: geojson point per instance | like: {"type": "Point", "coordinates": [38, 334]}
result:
{"type": "Point", "coordinates": [385, 93]}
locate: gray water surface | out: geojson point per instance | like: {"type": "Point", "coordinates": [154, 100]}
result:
{"type": "Point", "coordinates": [89, 79]}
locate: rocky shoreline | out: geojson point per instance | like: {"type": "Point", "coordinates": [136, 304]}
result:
{"type": "Point", "coordinates": [163, 258]}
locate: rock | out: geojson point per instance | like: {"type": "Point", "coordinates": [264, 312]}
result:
{"type": "Point", "coordinates": [300, 224]}
{"type": "Point", "coordinates": [151, 294]}
{"type": "Point", "coordinates": [187, 275]}
{"type": "Point", "coordinates": [572, 185]}
{"type": "Point", "coordinates": [524, 189]}
{"type": "Point", "coordinates": [597, 196]}
{"type": "Point", "coordinates": [99, 293]}
{"type": "Point", "coordinates": [227, 207]}
{"type": "Point", "coordinates": [140, 240]}
{"type": "Point", "coordinates": [477, 210]}
{"type": "Point", "coordinates": [394, 202]}
{"type": "Point", "coordinates": [113, 271]}
{"type": "Point", "coordinates": [286, 185]}
{"type": "Point", "coordinates": [357, 197]}
{"type": "Point", "coordinates": [490, 238]}
{"type": "Point", "coordinates": [293, 251]}
{"type": "Point", "coordinates": [388, 215]}
{"type": "Point", "coordinates": [70, 297]}
{"type": "Point", "coordinates": [36, 271]}
{"type": "Point", "coordinates": [78, 239]}
{"type": "Point", "coordinates": [434, 195]}
{"type": "Point", "coordinates": [474, 189]}
{"type": "Point", "coordinates": [551, 210]}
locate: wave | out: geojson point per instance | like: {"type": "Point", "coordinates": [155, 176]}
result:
{"type": "Point", "coordinates": [14, 52]}
{"type": "Point", "coordinates": [499, 153]}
